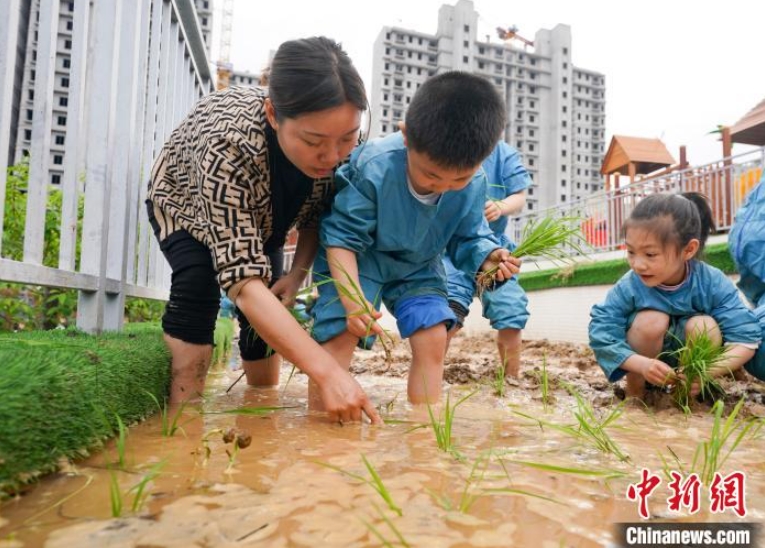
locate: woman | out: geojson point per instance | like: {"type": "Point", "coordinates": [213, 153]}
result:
{"type": "Point", "coordinates": [233, 178]}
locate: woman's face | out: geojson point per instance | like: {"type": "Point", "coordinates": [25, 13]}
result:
{"type": "Point", "coordinates": [316, 142]}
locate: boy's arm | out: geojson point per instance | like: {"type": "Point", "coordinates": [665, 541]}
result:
{"type": "Point", "coordinates": [359, 312]}
{"type": "Point", "coordinates": [513, 204]}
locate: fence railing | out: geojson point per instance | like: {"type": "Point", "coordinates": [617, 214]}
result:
{"type": "Point", "coordinates": [601, 214]}
{"type": "Point", "coordinates": [135, 69]}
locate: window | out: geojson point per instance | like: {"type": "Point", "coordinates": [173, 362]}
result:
{"type": "Point", "coordinates": [55, 179]}
{"type": "Point", "coordinates": [69, 25]}
{"type": "Point", "coordinates": [562, 197]}
{"type": "Point", "coordinates": [58, 159]}
{"type": "Point", "coordinates": [71, 6]}
{"type": "Point", "coordinates": [32, 75]}
{"type": "Point", "coordinates": [529, 206]}
{"type": "Point", "coordinates": [67, 44]}
{"type": "Point", "coordinates": [563, 182]}
{"type": "Point", "coordinates": [480, 64]}
{"type": "Point", "coordinates": [565, 109]}
{"type": "Point", "coordinates": [204, 21]}
{"type": "Point", "coordinates": [385, 96]}
{"type": "Point", "coordinates": [31, 94]}
{"type": "Point", "coordinates": [565, 80]}
{"type": "Point", "coordinates": [531, 104]}
{"type": "Point", "coordinates": [385, 112]}
{"type": "Point", "coordinates": [64, 82]}
{"type": "Point", "coordinates": [30, 114]}
{"type": "Point", "coordinates": [384, 128]}
{"type": "Point", "coordinates": [563, 168]}
{"type": "Point", "coordinates": [531, 133]}
{"type": "Point", "coordinates": [563, 138]}
{"type": "Point", "coordinates": [60, 139]}
{"type": "Point", "coordinates": [531, 118]}
{"type": "Point", "coordinates": [61, 120]}
{"type": "Point", "coordinates": [467, 28]}
{"type": "Point", "coordinates": [66, 63]}
{"type": "Point", "coordinates": [531, 147]}
{"type": "Point", "coordinates": [386, 82]}
{"type": "Point", "coordinates": [465, 44]}
{"type": "Point", "coordinates": [464, 59]}
{"type": "Point", "coordinates": [27, 134]}
{"type": "Point", "coordinates": [565, 66]}
{"type": "Point", "coordinates": [564, 123]}
{"type": "Point", "coordinates": [531, 161]}
{"type": "Point", "coordinates": [565, 51]}
{"type": "Point", "coordinates": [563, 153]}
{"type": "Point", "coordinates": [63, 101]}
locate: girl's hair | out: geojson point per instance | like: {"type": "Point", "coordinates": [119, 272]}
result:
{"type": "Point", "coordinates": [313, 74]}
{"type": "Point", "coordinates": [674, 218]}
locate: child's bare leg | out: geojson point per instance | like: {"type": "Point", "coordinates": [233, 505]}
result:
{"type": "Point", "coordinates": [264, 372]}
{"type": "Point", "coordinates": [509, 346]}
{"type": "Point", "coordinates": [341, 348]}
{"type": "Point", "coordinates": [646, 337]}
{"type": "Point", "coordinates": [703, 324]}
{"type": "Point", "coordinates": [427, 371]}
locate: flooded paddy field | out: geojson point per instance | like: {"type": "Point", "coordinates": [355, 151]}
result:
{"type": "Point", "coordinates": [516, 471]}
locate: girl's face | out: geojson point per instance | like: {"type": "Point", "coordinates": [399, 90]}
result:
{"type": "Point", "coordinates": [316, 142]}
{"type": "Point", "coordinates": [654, 263]}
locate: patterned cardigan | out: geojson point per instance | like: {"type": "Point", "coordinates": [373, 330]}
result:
{"type": "Point", "coordinates": [212, 180]}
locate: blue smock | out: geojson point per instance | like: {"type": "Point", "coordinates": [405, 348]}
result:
{"type": "Point", "coordinates": [746, 242]}
{"type": "Point", "coordinates": [398, 240]}
{"type": "Point", "coordinates": [506, 305]}
{"type": "Point", "coordinates": [706, 291]}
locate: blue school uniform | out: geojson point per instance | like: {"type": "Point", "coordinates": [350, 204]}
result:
{"type": "Point", "coordinates": [506, 306]}
{"type": "Point", "coordinates": [706, 291]}
{"type": "Point", "coordinates": [746, 242]}
{"type": "Point", "coordinates": [756, 366]}
{"type": "Point", "coordinates": [397, 239]}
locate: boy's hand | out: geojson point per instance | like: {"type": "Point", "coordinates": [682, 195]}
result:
{"type": "Point", "coordinates": [493, 210]}
{"type": "Point", "coordinates": [361, 322]}
{"type": "Point", "coordinates": [503, 262]}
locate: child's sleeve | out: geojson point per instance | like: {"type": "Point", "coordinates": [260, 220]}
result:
{"type": "Point", "coordinates": [352, 220]}
{"type": "Point", "coordinates": [608, 331]}
{"type": "Point", "coordinates": [515, 178]}
{"type": "Point", "coordinates": [737, 323]}
{"type": "Point", "coordinates": [473, 240]}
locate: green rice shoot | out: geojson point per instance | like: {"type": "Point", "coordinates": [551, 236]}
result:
{"type": "Point", "coordinates": [375, 483]}
{"type": "Point", "coordinates": [442, 427]}
{"type": "Point", "coordinates": [545, 238]}
{"type": "Point", "coordinates": [696, 359]}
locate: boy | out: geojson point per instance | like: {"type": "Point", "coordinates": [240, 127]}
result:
{"type": "Point", "coordinates": [400, 201]}
{"type": "Point", "coordinates": [505, 307]}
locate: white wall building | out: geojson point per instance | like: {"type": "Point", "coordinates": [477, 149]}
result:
{"type": "Point", "coordinates": [555, 111]}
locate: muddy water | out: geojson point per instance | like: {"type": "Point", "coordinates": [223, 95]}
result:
{"type": "Point", "coordinates": [285, 489]}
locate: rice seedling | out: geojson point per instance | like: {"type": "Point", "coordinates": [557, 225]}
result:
{"type": "Point", "coordinates": [350, 290]}
{"type": "Point", "coordinates": [169, 424]}
{"type": "Point", "coordinates": [587, 472]}
{"type": "Point", "coordinates": [375, 483]}
{"type": "Point", "coordinates": [697, 360]}
{"type": "Point", "coordinates": [498, 382]}
{"type": "Point", "coordinates": [115, 494]}
{"type": "Point", "coordinates": [725, 437]}
{"type": "Point", "coordinates": [544, 383]}
{"type": "Point", "coordinates": [120, 442]}
{"type": "Point", "coordinates": [545, 238]}
{"type": "Point", "coordinates": [442, 427]}
{"type": "Point", "coordinates": [140, 488]}
{"type": "Point", "coordinates": [468, 495]}
{"type": "Point", "coordinates": [590, 427]}
{"type": "Point", "coordinates": [376, 532]}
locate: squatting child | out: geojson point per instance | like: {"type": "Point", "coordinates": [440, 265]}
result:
{"type": "Point", "coordinates": [506, 306]}
{"type": "Point", "coordinates": [667, 296]}
{"type": "Point", "coordinates": [746, 242]}
{"type": "Point", "coordinates": [401, 200]}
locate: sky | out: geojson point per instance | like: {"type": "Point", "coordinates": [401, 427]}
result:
{"type": "Point", "coordinates": [674, 69]}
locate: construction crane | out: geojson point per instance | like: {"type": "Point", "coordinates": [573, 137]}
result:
{"type": "Point", "coordinates": [511, 33]}
{"type": "Point", "coordinates": [225, 67]}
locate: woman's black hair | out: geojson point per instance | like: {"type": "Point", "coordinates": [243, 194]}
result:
{"type": "Point", "coordinates": [674, 218]}
{"type": "Point", "coordinates": [313, 74]}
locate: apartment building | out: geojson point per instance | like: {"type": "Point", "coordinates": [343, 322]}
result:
{"type": "Point", "coordinates": [555, 110]}
{"type": "Point", "coordinates": [24, 82]}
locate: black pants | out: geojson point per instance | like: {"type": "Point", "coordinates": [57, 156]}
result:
{"type": "Point", "coordinates": [192, 309]}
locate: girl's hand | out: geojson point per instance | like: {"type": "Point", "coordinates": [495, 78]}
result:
{"type": "Point", "coordinates": [659, 373]}
{"type": "Point", "coordinates": [503, 262]}
{"type": "Point", "coordinates": [286, 289]}
{"type": "Point", "coordinates": [493, 210]}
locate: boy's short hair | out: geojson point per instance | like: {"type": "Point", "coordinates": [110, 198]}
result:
{"type": "Point", "coordinates": [456, 119]}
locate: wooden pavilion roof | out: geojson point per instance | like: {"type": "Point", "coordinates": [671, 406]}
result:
{"type": "Point", "coordinates": [647, 155]}
{"type": "Point", "coordinates": [751, 128]}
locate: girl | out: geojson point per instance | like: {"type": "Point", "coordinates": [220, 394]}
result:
{"type": "Point", "coordinates": [667, 296]}
{"type": "Point", "coordinates": [242, 169]}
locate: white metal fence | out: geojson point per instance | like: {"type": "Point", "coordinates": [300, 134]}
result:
{"type": "Point", "coordinates": [601, 214]}
{"type": "Point", "coordinates": [137, 66]}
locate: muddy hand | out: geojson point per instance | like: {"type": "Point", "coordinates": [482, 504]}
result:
{"type": "Point", "coordinates": [345, 400]}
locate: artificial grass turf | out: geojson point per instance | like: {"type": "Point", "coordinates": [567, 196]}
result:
{"type": "Point", "coordinates": [608, 272]}
{"type": "Point", "coordinates": [60, 391]}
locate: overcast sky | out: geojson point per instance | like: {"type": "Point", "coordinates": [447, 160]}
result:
{"type": "Point", "coordinates": [674, 68]}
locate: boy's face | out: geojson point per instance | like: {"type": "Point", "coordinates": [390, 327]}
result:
{"type": "Point", "coordinates": [427, 176]}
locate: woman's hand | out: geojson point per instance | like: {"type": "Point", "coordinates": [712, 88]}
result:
{"type": "Point", "coordinates": [501, 261]}
{"type": "Point", "coordinates": [343, 398]}
{"type": "Point", "coordinates": [286, 289]}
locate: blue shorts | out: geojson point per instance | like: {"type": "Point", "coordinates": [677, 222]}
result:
{"type": "Point", "coordinates": [506, 306]}
{"type": "Point", "coordinates": [417, 303]}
